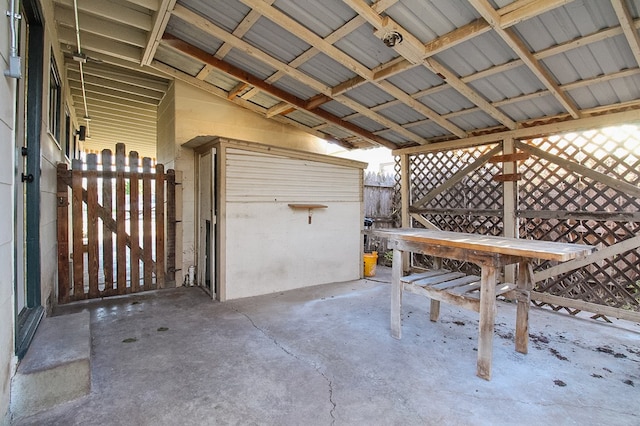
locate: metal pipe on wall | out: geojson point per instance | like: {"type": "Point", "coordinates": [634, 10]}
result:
{"type": "Point", "coordinates": [15, 66]}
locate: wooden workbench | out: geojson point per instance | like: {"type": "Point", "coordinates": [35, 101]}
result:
{"type": "Point", "coordinates": [472, 292]}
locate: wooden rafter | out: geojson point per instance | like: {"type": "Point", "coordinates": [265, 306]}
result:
{"type": "Point", "coordinates": [160, 20]}
{"type": "Point", "coordinates": [244, 76]}
{"type": "Point", "coordinates": [517, 45]}
{"type": "Point", "coordinates": [628, 27]}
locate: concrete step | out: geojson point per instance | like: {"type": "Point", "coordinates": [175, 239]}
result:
{"type": "Point", "coordinates": [56, 368]}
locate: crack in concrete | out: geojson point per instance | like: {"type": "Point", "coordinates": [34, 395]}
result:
{"type": "Point", "coordinates": [288, 352]}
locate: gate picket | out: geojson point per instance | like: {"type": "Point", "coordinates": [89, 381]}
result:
{"type": "Point", "coordinates": [121, 253]}
{"type": "Point", "coordinates": [134, 214]}
{"type": "Point", "coordinates": [107, 239]}
{"type": "Point", "coordinates": [146, 223]}
{"type": "Point", "coordinates": [92, 224]}
{"type": "Point", "coordinates": [160, 226]}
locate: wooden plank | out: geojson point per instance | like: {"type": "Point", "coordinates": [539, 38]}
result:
{"type": "Point", "coordinates": [160, 239]}
{"type": "Point", "coordinates": [396, 295]}
{"type": "Point", "coordinates": [523, 297]}
{"type": "Point", "coordinates": [443, 296]}
{"type": "Point", "coordinates": [505, 158]}
{"type": "Point", "coordinates": [468, 246]}
{"type": "Point", "coordinates": [593, 308]}
{"type": "Point", "coordinates": [134, 203]}
{"type": "Point", "coordinates": [78, 220]}
{"type": "Point", "coordinates": [107, 235]}
{"type": "Point", "coordinates": [92, 224]}
{"type": "Point", "coordinates": [600, 255]}
{"type": "Point", "coordinates": [147, 248]}
{"type": "Point", "coordinates": [171, 226]}
{"type": "Point", "coordinates": [121, 246]}
{"type": "Point", "coordinates": [626, 22]}
{"type": "Point", "coordinates": [459, 285]}
{"type": "Point", "coordinates": [487, 319]}
{"type": "Point", "coordinates": [443, 280]}
{"type": "Point", "coordinates": [415, 277]}
{"type": "Point", "coordinates": [507, 177]}
{"type": "Point", "coordinates": [64, 284]}
{"type": "Point", "coordinates": [601, 216]}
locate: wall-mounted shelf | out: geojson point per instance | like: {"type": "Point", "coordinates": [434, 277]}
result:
{"type": "Point", "coordinates": [309, 207]}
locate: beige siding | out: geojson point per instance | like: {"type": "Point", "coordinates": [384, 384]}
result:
{"type": "Point", "coordinates": [7, 111]}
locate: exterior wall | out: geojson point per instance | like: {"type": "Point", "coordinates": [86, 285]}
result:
{"type": "Point", "coordinates": [271, 246]}
{"type": "Point", "coordinates": [7, 124]}
{"type": "Point", "coordinates": [51, 153]}
{"type": "Point", "coordinates": [198, 113]}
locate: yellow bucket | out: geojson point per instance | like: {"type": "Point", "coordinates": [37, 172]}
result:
{"type": "Point", "coordinates": [370, 260]}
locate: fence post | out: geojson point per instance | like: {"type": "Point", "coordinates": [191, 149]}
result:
{"type": "Point", "coordinates": [171, 226]}
{"type": "Point", "coordinates": [160, 272]}
{"type": "Point", "coordinates": [78, 244]}
{"type": "Point", "coordinates": [63, 233]}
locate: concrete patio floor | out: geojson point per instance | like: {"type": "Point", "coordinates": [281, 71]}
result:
{"type": "Point", "coordinates": [324, 355]}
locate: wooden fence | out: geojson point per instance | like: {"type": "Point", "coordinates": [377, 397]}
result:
{"type": "Point", "coordinates": [134, 231]}
{"type": "Point", "coordinates": [379, 192]}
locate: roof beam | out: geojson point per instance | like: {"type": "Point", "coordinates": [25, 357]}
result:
{"type": "Point", "coordinates": [90, 24]}
{"type": "Point", "coordinates": [112, 60]}
{"type": "Point", "coordinates": [237, 89]}
{"type": "Point", "coordinates": [74, 75]}
{"type": "Point", "coordinates": [628, 27]}
{"type": "Point", "coordinates": [309, 37]}
{"type": "Point", "coordinates": [112, 12]}
{"type": "Point", "coordinates": [159, 23]}
{"type": "Point", "coordinates": [242, 75]}
{"type": "Point", "coordinates": [517, 45]}
{"type": "Point", "coordinates": [100, 44]}
{"type": "Point", "coordinates": [104, 71]}
{"type": "Point", "coordinates": [585, 123]}
{"type": "Point", "coordinates": [528, 9]}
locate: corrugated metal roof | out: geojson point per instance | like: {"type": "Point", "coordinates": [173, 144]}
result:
{"type": "Point", "coordinates": [541, 62]}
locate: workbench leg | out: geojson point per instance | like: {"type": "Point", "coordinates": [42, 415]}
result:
{"type": "Point", "coordinates": [434, 308]}
{"type": "Point", "coordinates": [487, 320]}
{"type": "Point", "coordinates": [523, 296]}
{"type": "Point", "coordinates": [396, 294]}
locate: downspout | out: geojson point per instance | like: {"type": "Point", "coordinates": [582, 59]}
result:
{"type": "Point", "coordinates": [15, 66]}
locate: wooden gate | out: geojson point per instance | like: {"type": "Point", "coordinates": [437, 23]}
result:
{"type": "Point", "coordinates": [115, 214]}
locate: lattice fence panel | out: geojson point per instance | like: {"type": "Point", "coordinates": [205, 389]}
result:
{"type": "Point", "coordinates": [547, 186]}
{"type": "Point", "coordinates": [464, 206]}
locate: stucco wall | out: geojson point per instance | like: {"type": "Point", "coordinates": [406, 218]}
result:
{"type": "Point", "coordinates": [198, 113]}
{"type": "Point", "coordinates": [7, 111]}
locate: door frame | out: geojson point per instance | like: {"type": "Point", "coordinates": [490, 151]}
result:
{"type": "Point", "coordinates": [207, 248]}
{"type": "Point", "coordinates": [29, 316]}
